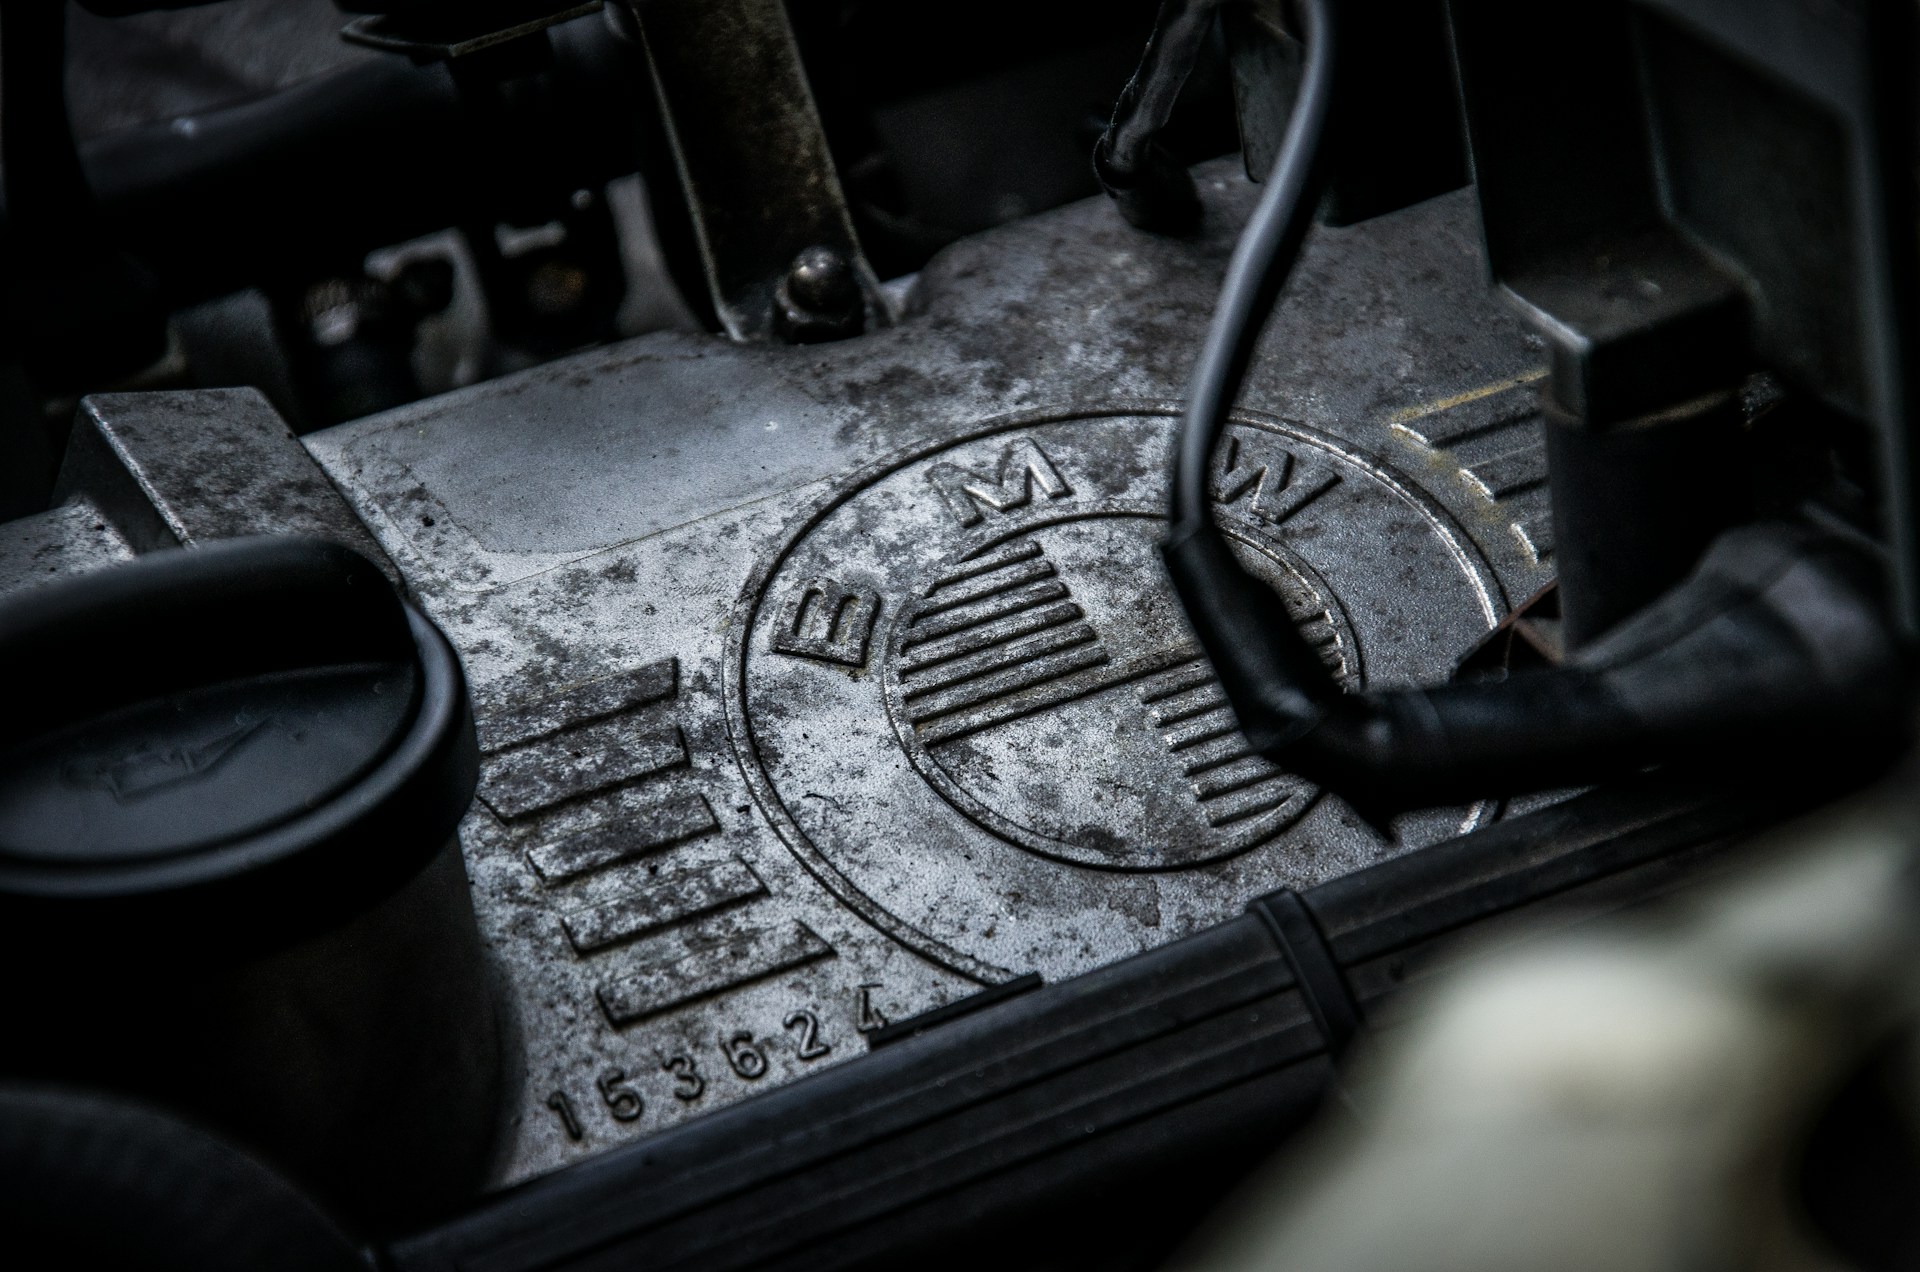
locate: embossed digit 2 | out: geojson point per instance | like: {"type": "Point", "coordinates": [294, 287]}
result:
{"type": "Point", "coordinates": [811, 1048]}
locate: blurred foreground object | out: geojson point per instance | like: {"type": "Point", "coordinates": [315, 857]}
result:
{"type": "Point", "coordinates": [1731, 1087]}
{"type": "Point", "coordinates": [92, 1182]}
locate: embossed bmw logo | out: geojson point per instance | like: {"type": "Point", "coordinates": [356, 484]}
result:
{"type": "Point", "coordinates": [967, 700]}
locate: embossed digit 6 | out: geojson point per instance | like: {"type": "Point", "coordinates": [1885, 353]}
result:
{"type": "Point", "coordinates": [622, 1100]}
{"type": "Point", "coordinates": [688, 1084]}
{"type": "Point", "coordinates": [742, 1055]}
{"type": "Point", "coordinates": [811, 1048]}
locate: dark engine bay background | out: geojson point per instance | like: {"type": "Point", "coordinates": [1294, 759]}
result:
{"type": "Point", "coordinates": [833, 699]}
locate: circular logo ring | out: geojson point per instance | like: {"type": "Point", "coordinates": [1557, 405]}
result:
{"type": "Point", "coordinates": [756, 610]}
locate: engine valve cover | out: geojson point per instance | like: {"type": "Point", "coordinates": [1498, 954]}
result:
{"type": "Point", "coordinates": [821, 686]}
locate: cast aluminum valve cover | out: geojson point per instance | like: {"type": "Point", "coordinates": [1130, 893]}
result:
{"type": "Point", "coordinates": [820, 686]}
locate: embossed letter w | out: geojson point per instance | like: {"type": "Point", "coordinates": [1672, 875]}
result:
{"type": "Point", "coordinates": [1281, 486]}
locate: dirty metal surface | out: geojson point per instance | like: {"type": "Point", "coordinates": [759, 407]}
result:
{"type": "Point", "coordinates": [73, 538]}
{"type": "Point", "coordinates": [181, 468]}
{"type": "Point", "coordinates": [144, 472]}
{"type": "Point", "coordinates": [822, 686]}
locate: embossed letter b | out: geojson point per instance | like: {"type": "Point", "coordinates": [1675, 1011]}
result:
{"type": "Point", "coordinates": [826, 621]}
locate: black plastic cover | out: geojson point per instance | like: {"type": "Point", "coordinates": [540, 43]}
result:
{"type": "Point", "coordinates": [254, 739]}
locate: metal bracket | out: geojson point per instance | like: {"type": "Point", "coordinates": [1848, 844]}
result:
{"type": "Point", "coordinates": [752, 155]}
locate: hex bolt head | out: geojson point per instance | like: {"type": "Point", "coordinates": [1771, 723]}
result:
{"type": "Point", "coordinates": [823, 281]}
{"type": "Point", "coordinates": [820, 298]}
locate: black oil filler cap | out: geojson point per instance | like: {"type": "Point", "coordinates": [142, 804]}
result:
{"type": "Point", "coordinates": [241, 743]}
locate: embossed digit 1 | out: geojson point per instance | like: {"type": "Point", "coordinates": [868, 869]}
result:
{"type": "Point", "coordinates": [560, 1104]}
{"type": "Point", "coordinates": [688, 1084]}
{"type": "Point", "coordinates": [622, 1100]}
{"type": "Point", "coordinates": [743, 1056]}
{"type": "Point", "coordinates": [811, 1048]}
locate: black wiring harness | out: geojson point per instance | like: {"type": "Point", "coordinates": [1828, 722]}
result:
{"type": "Point", "coordinates": [1778, 638]}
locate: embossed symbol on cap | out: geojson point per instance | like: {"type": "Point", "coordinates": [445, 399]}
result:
{"type": "Point", "coordinates": [145, 772]}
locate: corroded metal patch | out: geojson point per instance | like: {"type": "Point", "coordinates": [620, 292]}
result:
{"type": "Point", "coordinates": [963, 693]}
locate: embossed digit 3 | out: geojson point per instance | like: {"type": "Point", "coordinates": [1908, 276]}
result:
{"type": "Point", "coordinates": [743, 1056]}
{"type": "Point", "coordinates": [811, 1048]}
{"type": "Point", "coordinates": [687, 1082]}
{"type": "Point", "coordinates": [622, 1100]}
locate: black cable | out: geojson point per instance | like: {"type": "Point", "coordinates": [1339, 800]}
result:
{"type": "Point", "coordinates": [1723, 667]}
{"type": "Point", "coordinates": [1262, 261]}
{"type": "Point", "coordinates": [1277, 684]}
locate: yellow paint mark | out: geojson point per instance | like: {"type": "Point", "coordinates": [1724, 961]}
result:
{"type": "Point", "coordinates": [1409, 414]}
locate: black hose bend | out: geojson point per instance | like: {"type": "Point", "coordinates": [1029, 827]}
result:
{"type": "Point", "coordinates": [1778, 639]}
{"type": "Point", "coordinates": [1243, 627]}
{"type": "Point", "coordinates": [1778, 644]}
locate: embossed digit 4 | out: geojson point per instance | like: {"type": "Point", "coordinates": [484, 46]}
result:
{"type": "Point", "coordinates": [870, 1017]}
{"type": "Point", "coordinates": [622, 1100]}
{"type": "Point", "coordinates": [811, 1048]}
{"type": "Point", "coordinates": [743, 1056]}
{"type": "Point", "coordinates": [687, 1083]}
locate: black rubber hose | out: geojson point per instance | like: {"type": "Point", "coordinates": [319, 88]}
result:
{"type": "Point", "coordinates": [1778, 642]}
{"type": "Point", "coordinates": [1268, 671]}
{"type": "Point", "coordinates": [1147, 102]}
{"type": "Point", "coordinates": [1778, 647]}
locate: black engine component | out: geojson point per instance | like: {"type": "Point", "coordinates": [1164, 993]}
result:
{"type": "Point", "coordinates": [237, 826]}
{"type": "Point", "coordinates": [1649, 339]}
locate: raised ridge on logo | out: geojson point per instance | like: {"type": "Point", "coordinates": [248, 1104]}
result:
{"type": "Point", "coordinates": [1000, 650]}
{"type": "Point", "coordinates": [595, 780]}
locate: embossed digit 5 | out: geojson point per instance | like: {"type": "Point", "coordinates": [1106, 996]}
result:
{"type": "Point", "coordinates": [745, 1058]}
{"type": "Point", "coordinates": [811, 1048]}
{"type": "Point", "coordinates": [622, 1100]}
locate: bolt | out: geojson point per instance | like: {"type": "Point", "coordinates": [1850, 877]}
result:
{"type": "Point", "coordinates": [820, 298]}
{"type": "Point", "coordinates": [823, 281]}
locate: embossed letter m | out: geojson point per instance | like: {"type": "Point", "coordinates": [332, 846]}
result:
{"type": "Point", "coordinates": [1023, 465]}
